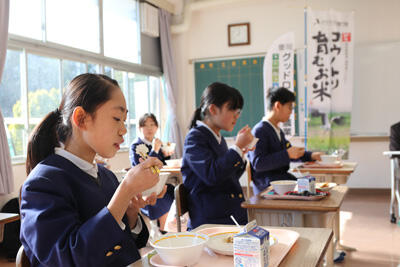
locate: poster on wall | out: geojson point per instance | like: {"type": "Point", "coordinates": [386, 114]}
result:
{"type": "Point", "coordinates": [330, 59]}
{"type": "Point", "coordinates": [278, 72]}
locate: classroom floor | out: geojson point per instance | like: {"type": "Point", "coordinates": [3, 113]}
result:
{"type": "Point", "coordinates": [365, 225]}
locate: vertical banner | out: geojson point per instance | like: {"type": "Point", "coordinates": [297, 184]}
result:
{"type": "Point", "coordinates": [279, 72]}
{"type": "Point", "coordinates": [330, 59]}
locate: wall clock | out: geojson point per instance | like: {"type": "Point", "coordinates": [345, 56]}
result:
{"type": "Point", "coordinates": [239, 34]}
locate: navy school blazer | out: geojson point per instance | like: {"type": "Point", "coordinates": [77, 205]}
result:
{"type": "Point", "coordinates": [65, 221]}
{"type": "Point", "coordinates": [270, 160]}
{"type": "Point", "coordinates": [134, 158]}
{"type": "Point", "coordinates": [211, 175]}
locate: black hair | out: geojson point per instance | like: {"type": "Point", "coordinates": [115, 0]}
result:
{"type": "Point", "coordinates": [279, 94]}
{"type": "Point", "coordinates": [145, 116]}
{"type": "Point", "coordinates": [88, 91]}
{"type": "Point", "coordinates": [218, 94]}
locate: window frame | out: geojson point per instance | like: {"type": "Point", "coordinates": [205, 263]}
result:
{"type": "Point", "coordinates": [62, 52]}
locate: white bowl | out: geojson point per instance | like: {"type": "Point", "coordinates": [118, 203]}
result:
{"type": "Point", "coordinates": [283, 186]}
{"type": "Point", "coordinates": [328, 158]}
{"type": "Point", "coordinates": [174, 163]}
{"type": "Point", "coordinates": [159, 186]}
{"type": "Point", "coordinates": [180, 249]}
{"type": "Point", "coordinates": [168, 147]}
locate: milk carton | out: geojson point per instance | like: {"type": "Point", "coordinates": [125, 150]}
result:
{"type": "Point", "coordinates": [251, 247]}
{"type": "Point", "coordinates": [306, 183]}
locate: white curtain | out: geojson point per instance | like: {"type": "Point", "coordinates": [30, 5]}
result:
{"type": "Point", "coordinates": [6, 175]}
{"type": "Point", "coordinates": [171, 81]}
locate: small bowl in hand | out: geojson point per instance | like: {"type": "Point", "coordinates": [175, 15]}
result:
{"type": "Point", "coordinates": [168, 147]}
{"type": "Point", "coordinates": [158, 187]}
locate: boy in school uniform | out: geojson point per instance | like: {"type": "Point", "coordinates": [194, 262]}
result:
{"type": "Point", "coordinates": [271, 159]}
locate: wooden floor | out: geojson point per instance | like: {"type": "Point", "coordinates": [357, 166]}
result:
{"type": "Point", "coordinates": [365, 225]}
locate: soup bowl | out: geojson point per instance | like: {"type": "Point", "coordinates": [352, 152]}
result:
{"type": "Point", "coordinates": [180, 249]}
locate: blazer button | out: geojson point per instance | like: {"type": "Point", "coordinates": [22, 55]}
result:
{"type": "Point", "coordinates": [240, 196]}
{"type": "Point", "coordinates": [117, 247]}
{"type": "Point", "coordinates": [237, 164]}
{"type": "Point", "coordinates": [109, 253]}
{"type": "Point", "coordinates": [232, 196]}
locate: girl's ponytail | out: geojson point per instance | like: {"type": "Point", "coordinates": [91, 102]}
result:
{"type": "Point", "coordinates": [196, 117]}
{"type": "Point", "coordinates": [43, 140]}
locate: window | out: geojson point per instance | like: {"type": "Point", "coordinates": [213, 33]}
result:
{"type": "Point", "coordinates": [46, 50]}
{"type": "Point", "coordinates": [73, 23]}
{"type": "Point", "coordinates": [121, 30]}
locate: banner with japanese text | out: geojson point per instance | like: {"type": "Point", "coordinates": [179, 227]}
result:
{"type": "Point", "coordinates": [330, 60]}
{"type": "Point", "coordinates": [279, 72]}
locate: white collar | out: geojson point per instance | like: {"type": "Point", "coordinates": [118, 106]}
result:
{"type": "Point", "coordinates": [277, 129]}
{"type": "Point", "coordinates": [218, 138]}
{"type": "Point", "coordinates": [82, 164]}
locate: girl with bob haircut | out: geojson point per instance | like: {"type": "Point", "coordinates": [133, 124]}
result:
{"type": "Point", "coordinates": [74, 212]}
{"type": "Point", "coordinates": [210, 169]}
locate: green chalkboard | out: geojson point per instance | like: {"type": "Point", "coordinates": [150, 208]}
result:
{"type": "Point", "coordinates": [244, 74]}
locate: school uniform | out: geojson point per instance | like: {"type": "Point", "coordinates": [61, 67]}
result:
{"type": "Point", "coordinates": [211, 175]}
{"type": "Point", "coordinates": [162, 205]}
{"type": "Point", "coordinates": [270, 160]}
{"type": "Point", "coordinates": [134, 158]}
{"type": "Point", "coordinates": [65, 220]}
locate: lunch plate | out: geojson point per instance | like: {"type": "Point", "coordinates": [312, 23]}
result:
{"type": "Point", "coordinates": [219, 236]}
{"type": "Point", "coordinates": [325, 188]}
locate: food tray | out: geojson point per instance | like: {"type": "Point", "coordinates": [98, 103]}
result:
{"type": "Point", "coordinates": [270, 194]}
{"type": "Point", "coordinates": [286, 239]}
{"type": "Point", "coordinates": [318, 165]}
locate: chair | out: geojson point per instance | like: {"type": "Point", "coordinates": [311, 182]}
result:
{"type": "Point", "coordinates": [181, 202]}
{"type": "Point", "coordinates": [394, 155]}
{"type": "Point", "coordinates": [21, 259]}
{"type": "Point", "coordinates": [248, 171]}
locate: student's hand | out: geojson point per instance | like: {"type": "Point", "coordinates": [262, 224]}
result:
{"type": "Point", "coordinates": [157, 143]}
{"type": "Point", "coordinates": [295, 152]}
{"type": "Point", "coordinates": [244, 138]}
{"type": "Point", "coordinates": [141, 177]}
{"type": "Point", "coordinates": [137, 202]}
{"type": "Point", "coordinates": [316, 156]}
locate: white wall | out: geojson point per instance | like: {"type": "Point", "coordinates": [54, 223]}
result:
{"type": "Point", "coordinates": [375, 21]}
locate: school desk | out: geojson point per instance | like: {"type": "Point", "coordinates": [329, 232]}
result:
{"type": "Point", "coordinates": [323, 213]}
{"type": "Point", "coordinates": [309, 249]}
{"type": "Point", "coordinates": [6, 218]}
{"type": "Point", "coordinates": [335, 175]}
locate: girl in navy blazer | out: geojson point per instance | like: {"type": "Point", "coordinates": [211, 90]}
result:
{"type": "Point", "coordinates": [271, 158]}
{"type": "Point", "coordinates": [148, 126]}
{"type": "Point", "coordinates": [74, 212]}
{"type": "Point", "coordinates": [210, 169]}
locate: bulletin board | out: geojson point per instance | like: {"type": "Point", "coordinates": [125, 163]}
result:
{"type": "Point", "coordinates": [244, 74]}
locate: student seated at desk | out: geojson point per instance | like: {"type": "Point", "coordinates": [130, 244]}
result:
{"type": "Point", "coordinates": [271, 159]}
{"type": "Point", "coordinates": [148, 126]}
{"type": "Point", "coordinates": [74, 212]}
{"type": "Point", "coordinates": [210, 169]}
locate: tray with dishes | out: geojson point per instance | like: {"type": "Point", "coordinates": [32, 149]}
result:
{"type": "Point", "coordinates": [294, 195]}
{"type": "Point", "coordinates": [221, 254]}
{"type": "Point", "coordinates": [320, 164]}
